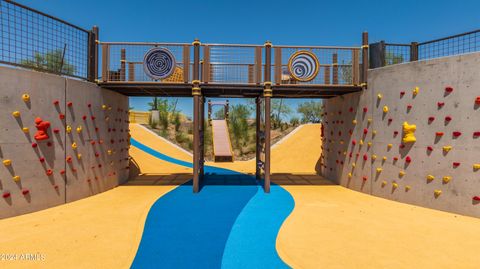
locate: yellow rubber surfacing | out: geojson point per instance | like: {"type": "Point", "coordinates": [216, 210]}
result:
{"type": "Point", "coordinates": [330, 227]}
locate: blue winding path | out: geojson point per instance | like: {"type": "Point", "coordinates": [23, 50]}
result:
{"type": "Point", "coordinates": [232, 225]}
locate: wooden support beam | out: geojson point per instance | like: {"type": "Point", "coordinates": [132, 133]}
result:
{"type": "Point", "coordinates": [335, 68]}
{"type": "Point", "coordinates": [278, 66]}
{"type": "Point", "coordinates": [267, 93]}
{"type": "Point", "coordinates": [105, 62]}
{"type": "Point", "coordinates": [186, 63]}
{"type": "Point", "coordinates": [258, 65]}
{"type": "Point", "coordinates": [131, 72]}
{"type": "Point", "coordinates": [202, 137]}
{"type": "Point", "coordinates": [364, 58]}
{"type": "Point", "coordinates": [196, 92]}
{"type": "Point", "coordinates": [355, 67]}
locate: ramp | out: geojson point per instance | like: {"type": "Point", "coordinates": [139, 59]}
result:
{"type": "Point", "coordinates": [222, 149]}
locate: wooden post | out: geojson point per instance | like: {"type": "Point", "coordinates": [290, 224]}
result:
{"type": "Point", "coordinates": [131, 71]}
{"type": "Point", "coordinates": [92, 55]}
{"type": "Point", "coordinates": [267, 93]}
{"type": "Point", "coordinates": [186, 63]}
{"type": "Point", "coordinates": [335, 68]}
{"type": "Point", "coordinates": [258, 65]}
{"type": "Point", "coordinates": [326, 75]}
{"type": "Point", "coordinates": [196, 92]}
{"type": "Point", "coordinates": [364, 59]}
{"type": "Point", "coordinates": [414, 51]}
{"type": "Point", "coordinates": [105, 62]}
{"type": "Point", "coordinates": [206, 64]}
{"type": "Point", "coordinates": [355, 67]}
{"type": "Point", "coordinates": [258, 147]}
{"type": "Point", "coordinates": [123, 64]}
{"type": "Point", "coordinates": [278, 66]}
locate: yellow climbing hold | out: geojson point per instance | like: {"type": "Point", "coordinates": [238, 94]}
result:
{"type": "Point", "coordinates": [437, 193]}
{"type": "Point", "coordinates": [369, 144]}
{"type": "Point", "coordinates": [395, 185]}
{"type": "Point", "coordinates": [68, 129]}
{"type": "Point", "coordinates": [389, 146]}
{"type": "Point", "coordinates": [379, 169]}
{"type": "Point", "coordinates": [401, 173]}
{"type": "Point", "coordinates": [353, 165]}
{"type": "Point", "coordinates": [379, 96]}
{"type": "Point", "coordinates": [16, 114]}
{"type": "Point", "coordinates": [104, 107]}
{"type": "Point", "coordinates": [74, 146]}
{"type": "Point", "coordinates": [16, 178]}
{"type": "Point", "coordinates": [447, 179]}
{"type": "Point", "coordinates": [361, 142]}
{"type": "Point", "coordinates": [374, 157]}
{"type": "Point", "coordinates": [109, 152]}
{"type": "Point", "coordinates": [385, 109]}
{"type": "Point", "coordinates": [79, 129]}
{"type": "Point", "coordinates": [374, 132]}
{"type": "Point", "coordinates": [476, 166]}
{"type": "Point", "coordinates": [407, 188]}
{"type": "Point", "coordinates": [25, 97]}
{"type": "Point", "coordinates": [447, 148]}
{"type": "Point", "coordinates": [430, 177]}
{"type": "Point", "coordinates": [25, 130]}
{"type": "Point", "coordinates": [349, 175]}
{"type": "Point", "coordinates": [79, 156]}
{"type": "Point", "coordinates": [416, 90]}
{"type": "Point", "coordinates": [409, 132]}
{"type": "Point", "coordinates": [384, 183]}
{"type": "Point", "coordinates": [384, 158]}
{"type": "Point", "coordinates": [369, 120]}
{"type": "Point", "coordinates": [354, 121]}
{"type": "Point", "coordinates": [7, 162]}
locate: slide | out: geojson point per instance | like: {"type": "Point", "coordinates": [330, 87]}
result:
{"type": "Point", "coordinates": [222, 149]}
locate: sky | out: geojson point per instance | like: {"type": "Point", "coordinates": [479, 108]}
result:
{"type": "Point", "coordinates": [299, 22]}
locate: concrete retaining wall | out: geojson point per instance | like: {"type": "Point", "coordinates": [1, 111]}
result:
{"type": "Point", "coordinates": [354, 165]}
{"type": "Point", "coordinates": [97, 164]}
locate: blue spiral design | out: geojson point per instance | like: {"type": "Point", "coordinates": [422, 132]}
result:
{"type": "Point", "coordinates": [303, 66]}
{"type": "Point", "coordinates": [159, 63]}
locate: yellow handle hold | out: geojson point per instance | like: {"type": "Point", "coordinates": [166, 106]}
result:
{"type": "Point", "coordinates": [74, 146]}
{"type": "Point", "coordinates": [430, 177]}
{"type": "Point", "coordinates": [409, 132]}
{"type": "Point", "coordinates": [401, 173]}
{"type": "Point", "coordinates": [437, 193]}
{"type": "Point", "coordinates": [447, 148]}
{"type": "Point", "coordinates": [447, 179]}
{"type": "Point", "coordinates": [361, 142]}
{"type": "Point", "coordinates": [416, 90]}
{"type": "Point", "coordinates": [16, 114]}
{"type": "Point", "coordinates": [68, 129]}
{"type": "Point", "coordinates": [7, 162]}
{"type": "Point", "coordinates": [389, 146]}
{"type": "Point", "coordinates": [476, 166]}
{"type": "Point", "coordinates": [384, 158]}
{"type": "Point", "coordinates": [385, 109]}
{"type": "Point", "coordinates": [395, 185]}
{"type": "Point", "coordinates": [379, 170]}
{"type": "Point", "coordinates": [25, 97]}
{"type": "Point", "coordinates": [79, 156]}
{"type": "Point", "coordinates": [79, 129]}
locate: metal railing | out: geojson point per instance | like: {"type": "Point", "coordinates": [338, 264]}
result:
{"type": "Point", "coordinates": [35, 40]}
{"type": "Point", "coordinates": [382, 54]}
{"type": "Point", "coordinates": [230, 63]}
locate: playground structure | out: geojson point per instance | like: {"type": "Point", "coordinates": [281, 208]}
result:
{"type": "Point", "coordinates": [262, 72]}
{"type": "Point", "coordinates": [222, 147]}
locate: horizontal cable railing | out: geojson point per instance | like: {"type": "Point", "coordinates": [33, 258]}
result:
{"type": "Point", "coordinates": [35, 40]}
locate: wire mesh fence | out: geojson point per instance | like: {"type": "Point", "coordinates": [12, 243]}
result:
{"type": "Point", "coordinates": [35, 40]}
{"type": "Point", "coordinates": [389, 53]}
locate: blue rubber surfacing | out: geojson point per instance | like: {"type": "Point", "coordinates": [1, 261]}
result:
{"type": "Point", "coordinates": [222, 226]}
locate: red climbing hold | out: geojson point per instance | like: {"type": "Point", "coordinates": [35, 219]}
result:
{"type": "Point", "coordinates": [93, 117]}
{"type": "Point", "coordinates": [365, 109]}
{"type": "Point", "coordinates": [430, 148]}
{"type": "Point", "coordinates": [56, 130]}
{"type": "Point", "coordinates": [409, 107]}
{"type": "Point", "coordinates": [456, 164]}
{"type": "Point", "coordinates": [365, 157]}
{"type": "Point", "coordinates": [365, 131]}
{"type": "Point", "coordinates": [476, 198]}
{"type": "Point", "coordinates": [89, 105]}
{"type": "Point", "coordinates": [84, 117]}
{"type": "Point", "coordinates": [395, 132]}
{"type": "Point", "coordinates": [449, 89]}
{"type": "Point", "coordinates": [476, 133]}
{"type": "Point", "coordinates": [69, 159]}
{"type": "Point", "coordinates": [408, 159]}
{"type": "Point", "coordinates": [42, 160]}
{"type": "Point", "coordinates": [390, 120]}
{"type": "Point", "coordinates": [440, 104]}
{"type": "Point", "coordinates": [34, 145]}
{"type": "Point", "coordinates": [69, 104]}
{"type": "Point", "coordinates": [354, 142]}
{"type": "Point", "coordinates": [62, 172]}
{"type": "Point", "coordinates": [350, 109]}
{"type": "Point", "coordinates": [401, 146]}
{"type": "Point", "coordinates": [49, 172]}
{"type": "Point", "coordinates": [477, 100]}
{"type": "Point", "coordinates": [42, 127]}
{"type": "Point", "coordinates": [56, 102]}
{"type": "Point", "coordinates": [6, 194]}
{"type": "Point", "coordinates": [25, 191]}
{"type": "Point", "coordinates": [431, 118]}
{"type": "Point", "coordinates": [61, 116]}
{"type": "Point", "coordinates": [456, 134]}
{"type": "Point", "coordinates": [364, 178]}
{"type": "Point", "coordinates": [402, 93]}
{"type": "Point", "coordinates": [448, 118]}
{"type": "Point", "coordinates": [92, 142]}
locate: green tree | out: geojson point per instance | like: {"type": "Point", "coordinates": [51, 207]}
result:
{"type": "Point", "coordinates": [52, 61]}
{"type": "Point", "coordinates": [238, 124]}
{"type": "Point", "coordinates": [219, 114]}
{"type": "Point", "coordinates": [393, 58]}
{"type": "Point", "coordinates": [279, 110]}
{"type": "Point", "coordinates": [310, 111]}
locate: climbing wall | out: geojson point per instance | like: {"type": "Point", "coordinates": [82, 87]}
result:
{"type": "Point", "coordinates": [60, 140]}
{"type": "Point", "coordinates": [412, 136]}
